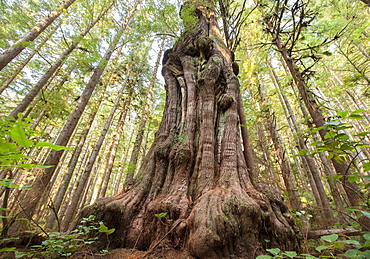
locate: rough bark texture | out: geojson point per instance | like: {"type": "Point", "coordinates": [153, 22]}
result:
{"type": "Point", "coordinates": [195, 170]}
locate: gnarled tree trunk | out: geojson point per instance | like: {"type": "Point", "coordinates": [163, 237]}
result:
{"type": "Point", "coordinates": [195, 170]}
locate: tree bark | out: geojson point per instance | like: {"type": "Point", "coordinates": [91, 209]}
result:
{"type": "Point", "coordinates": [314, 110]}
{"type": "Point", "coordinates": [195, 171]}
{"type": "Point", "coordinates": [20, 67]}
{"type": "Point", "coordinates": [281, 154]}
{"type": "Point", "coordinates": [45, 78]}
{"type": "Point", "coordinates": [57, 202]}
{"type": "Point", "coordinates": [112, 150]}
{"type": "Point", "coordinates": [81, 186]}
{"type": "Point", "coordinates": [9, 54]}
{"type": "Point", "coordinates": [309, 163]}
{"type": "Point", "coordinates": [29, 203]}
{"type": "Point", "coordinates": [144, 117]}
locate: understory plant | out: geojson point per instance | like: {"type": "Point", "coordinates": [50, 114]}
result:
{"type": "Point", "coordinates": [60, 244]}
{"type": "Point", "coordinates": [17, 137]}
{"type": "Point", "coordinates": [342, 147]}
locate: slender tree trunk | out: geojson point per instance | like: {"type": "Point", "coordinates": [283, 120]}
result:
{"type": "Point", "coordinates": [72, 187]}
{"type": "Point", "coordinates": [71, 167]}
{"type": "Point", "coordinates": [9, 54]}
{"type": "Point", "coordinates": [144, 117]}
{"type": "Point", "coordinates": [81, 186]}
{"type": "Point", "coordinates": [271, 178]}
{"type": "Point", "coordinates": [351, 189]}
{"type": "Point", "coordinates": [20, 67]}
{"type": "Point", "coordinates": [45, 78]}
{"type": "Point", "coordinates": [120, 177]}
{"type": "Point", "coordinates": [112, 150]}
{"type": "Point", "coordinates": [39, 185]}
{"type": "Point", "coordinates": [281, 155]}
{"type": "Point", "coordinates": [327, 216]}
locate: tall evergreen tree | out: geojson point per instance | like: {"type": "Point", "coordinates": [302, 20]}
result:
{"type": "Point", "coordinates": [10, 53]}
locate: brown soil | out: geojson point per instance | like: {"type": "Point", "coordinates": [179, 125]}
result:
{"type": "Point", "coordinates": [123, 253]}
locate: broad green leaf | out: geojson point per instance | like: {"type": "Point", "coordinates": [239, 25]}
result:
{"type": "Point", "coordinates": [366, 166]}
{"type": "Point", "coordinates": [362, 145]}
{"type": "Point", "coordinates": [320, 248]}
{"type": "Point", "coordinates": [367, 214]}
{"type": "Point", "coordinates": [5, 162]}
{"type": "Point", "coordinates": [344, 127]}
{"type": "Point", "coordinates": [343, 114]}
{"type": "Point", "coordinates": [318, 129]}
{"type": "Point", "coordinates": [8, 147]}
{"type": "Point", "coordinates": [18, 135]}
{"type": "Point", "coordinates": [103, 228]}
{"type": "Point", "coordinates": [110, 231]}
{"type": "Point", "coordinates": [339, 159]}
{"type": "Point", "coordinates": [363, 134]}
{"type": "Point", "coordinates": [367, 236]}
{"type": "Point", "coordinates": [290, 254]}
{"type": "Point", "coordinates": [264, 257]}
{"type": "Point", "coordinates": [353, 178]}
{"type": "Point", "coordinates": [330, 238]}
{"type": "Point", "coordinates": [351, 253]}
{"type": "Point", "coordinates": [329, 134]}
{"type": "Point", "coordinates": [26, 166]}
{"type": "Point", "coordinates": [355, 117]}
{"type": "Point", "coordinates": [337, 176]}
{"type": "Point", "coordinates": [302, 152]}
{"type": "Point", "coordinates": [52, 146]}
{"type": "Point", "coordinates": [7, 249]}
{"type": "Point", "coordinates": [352, 242]}
{"type": "Point", "coordinates": [357, 111]}
{"type": "Point", "coordinates": [342, 136]}
{"type": "Point", "coordinates": [273, 251]}
{"type": "Point", "coordinates": [317, 143]}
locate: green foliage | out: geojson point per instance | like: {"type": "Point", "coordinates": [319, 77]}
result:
{"type": "Point", "coordinates": [14, 136]}
{"type": "Point", "coordinates": [331, 241]}
{"type": "Point", "coordinates": [338, 144]}
{"type": "Point", "coordinates": [329, 244]}
{"type": "Point", "coordinates": [277, 253]}
{"type": "Point", "coordinates": [14, 139]}
{"type": "Point", "coordinates": [161, 215]}
{"type": "Point", "coordinates": [59, 244]}
{"type": "Point", "coordinates": [188, 15]}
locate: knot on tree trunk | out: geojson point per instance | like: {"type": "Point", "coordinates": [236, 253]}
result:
{"type": "Point", "coordinates": [225, 102]}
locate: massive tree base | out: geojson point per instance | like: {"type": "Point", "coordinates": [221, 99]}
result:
{"type": "Point", "coordinates": [193, 191]}
{"type": "Point", "coordinates": [222, 223]}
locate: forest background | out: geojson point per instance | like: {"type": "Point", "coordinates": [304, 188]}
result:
{"type": "Point", "coordinates": [90, 81]}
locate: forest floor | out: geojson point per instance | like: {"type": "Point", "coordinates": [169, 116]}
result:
{"type": "Point", "coordinates": [121, 253]}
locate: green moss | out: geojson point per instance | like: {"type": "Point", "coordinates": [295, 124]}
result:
{"type": "Point", "coordinates": [188, 15]}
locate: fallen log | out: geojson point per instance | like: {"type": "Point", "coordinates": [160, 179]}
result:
{"type": "Point", "coordinates": [315, 234]}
